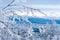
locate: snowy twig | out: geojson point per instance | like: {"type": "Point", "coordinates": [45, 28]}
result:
{"type": "Point", "coordinates": [9, 4]}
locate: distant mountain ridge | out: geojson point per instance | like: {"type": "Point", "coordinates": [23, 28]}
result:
{"type": "Point", "coordinates": [43, 20]}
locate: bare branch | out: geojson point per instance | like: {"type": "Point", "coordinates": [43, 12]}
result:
{"type": "Point", "coordinates": [9, 4]}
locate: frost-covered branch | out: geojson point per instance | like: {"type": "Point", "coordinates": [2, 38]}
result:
{"type": "Point", "coordinates": [9, 4]}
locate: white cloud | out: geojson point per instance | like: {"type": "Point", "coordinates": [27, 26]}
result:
{"type": "Point", "coordinates": [49, 14]}
{"type": "Point", "coordinates": [55, 14]}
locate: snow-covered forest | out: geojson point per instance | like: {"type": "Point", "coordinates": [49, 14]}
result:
{"type": "Point", "coordinates": [15, 24]}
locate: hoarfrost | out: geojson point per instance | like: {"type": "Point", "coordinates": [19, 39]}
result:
{"type": "Point", "coordinates": [15, 27]}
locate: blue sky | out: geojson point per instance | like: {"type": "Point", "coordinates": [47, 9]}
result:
{"type": "Point", "coordinates": [51, 2]}
{"type": "Point", "coordinates": [40, 4]}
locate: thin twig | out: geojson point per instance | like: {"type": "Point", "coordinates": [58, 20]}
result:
{"type": "Point", "coordinates": [9, 4]}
